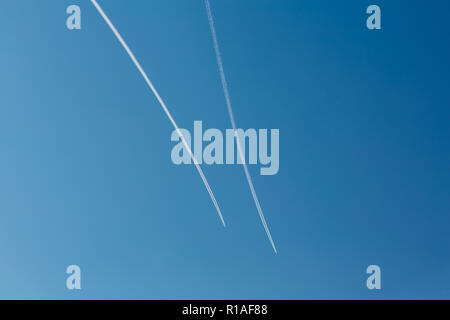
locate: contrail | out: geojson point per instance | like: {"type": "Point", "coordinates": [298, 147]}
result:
{"type": "Point", "coordinates": [233, 123]}
{"type": "Point", "coordinates": [163, 105]}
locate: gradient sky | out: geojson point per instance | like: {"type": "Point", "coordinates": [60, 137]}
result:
{"type": "Point", "coordinates": [86, 176]}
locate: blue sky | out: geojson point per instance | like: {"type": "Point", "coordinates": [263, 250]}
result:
{"type": "Point", "coordinates": [86, 176]}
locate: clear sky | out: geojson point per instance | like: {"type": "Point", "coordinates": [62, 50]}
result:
{"type": "Point", "coordinates": [86, 176]}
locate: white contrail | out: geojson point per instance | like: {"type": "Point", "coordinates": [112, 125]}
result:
{"type": "Point", "coordinates": [163, 105]}
{"type": "Point", "coordinates": [233, 123]}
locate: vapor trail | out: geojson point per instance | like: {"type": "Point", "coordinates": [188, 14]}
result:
{"type": "Point", "coordinates": [163, 105]}
{"type": "Point", "coordinates": [233, 123]}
